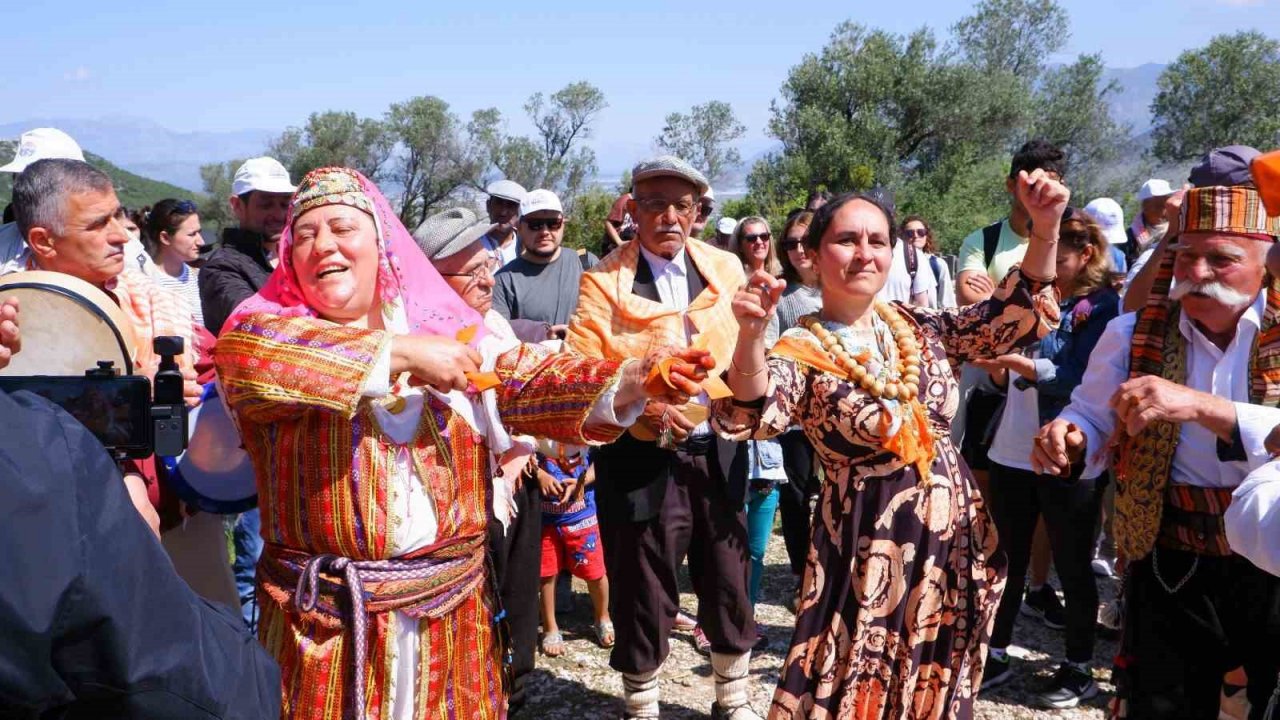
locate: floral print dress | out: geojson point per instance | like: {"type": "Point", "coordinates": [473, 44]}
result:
{"type": "Point", "coordinates": [902, 579]}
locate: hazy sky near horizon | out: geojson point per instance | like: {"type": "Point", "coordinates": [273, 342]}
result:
{"type": "Point", "coordinates": [236, 65]}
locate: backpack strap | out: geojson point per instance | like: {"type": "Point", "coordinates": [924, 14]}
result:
{"type": "Point", "coordinates": [584, 259]}
{"type": "Point", "coordinates": [912, 258]}
{"type": "Point", "coordinates": [990, 241]}
{"type": "Point", "coordinates": [935, 266]}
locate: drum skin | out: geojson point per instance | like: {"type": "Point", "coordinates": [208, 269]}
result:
{"type": "Point", "coordinates": [68, 326]}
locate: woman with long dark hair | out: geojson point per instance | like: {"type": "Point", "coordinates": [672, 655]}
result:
{"type": "Point", "coordinates": [172, 234]}
{"type": "Point", "coordinates": [1043, 377]}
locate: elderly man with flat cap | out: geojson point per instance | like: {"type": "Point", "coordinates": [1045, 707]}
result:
{"type": "Point", "coordinates": [662, 489]}
{"type": "Point", "coordinates": [1180, 398]}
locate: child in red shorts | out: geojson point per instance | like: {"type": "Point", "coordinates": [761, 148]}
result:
{"type": "Point", "coordinates": [571, 541]}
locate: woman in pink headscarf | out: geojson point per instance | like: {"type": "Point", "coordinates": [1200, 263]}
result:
{"type": "Point", "coordinates": [369, 394]}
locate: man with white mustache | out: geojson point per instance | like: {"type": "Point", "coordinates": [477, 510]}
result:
{"type": "Point", "coordinates": [1179, 398]}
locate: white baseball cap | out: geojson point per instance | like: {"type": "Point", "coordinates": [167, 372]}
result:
{"type": "Point", "coordinates": [43, 144]}
{"type": "Point", "coordinates": [726, 226]}
{"type": "Point", "coordinates": [1107, 213]}
{"type": "Point", "coordinates": [536, 200]}
{"type": "Point", "coordinates": [1155, 187]}
{"type": "Point", "coordinates": [262, 174]}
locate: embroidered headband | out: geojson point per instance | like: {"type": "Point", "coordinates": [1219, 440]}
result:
{"type": "Point", "coordinates": [1227, 209]}
{"type": "Point", "coordinates": [329, 186]}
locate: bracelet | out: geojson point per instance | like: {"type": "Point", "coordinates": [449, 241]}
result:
{"type": "Point", "coordinates": [733, 365]}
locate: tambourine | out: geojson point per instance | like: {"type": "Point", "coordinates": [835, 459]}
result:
{"type": "Point", "coordinates": [68, 326]}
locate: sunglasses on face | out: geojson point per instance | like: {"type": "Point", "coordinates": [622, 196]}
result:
{"type": "Point", "coordinates": [913, 234]}
{"type": "Point", "coordinates": [789, 245]}
{"type": "Point", "coordinates": [757, 237]}
{"type": "Point", "coordinates": [538, 225]}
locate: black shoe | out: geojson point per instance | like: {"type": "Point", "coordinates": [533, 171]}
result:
{"type": "Point", "coordinates": [996, 672]}
{"type": "Point", "coordinates": [1044, 604]}
{"type": "Point", "coordinates": [1067, 688]}
{"type": "Point", "coordinates": [741, 713]}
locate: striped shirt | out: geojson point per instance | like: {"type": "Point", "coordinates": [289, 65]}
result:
{"type": "Point", "coordinates": [185, 286]}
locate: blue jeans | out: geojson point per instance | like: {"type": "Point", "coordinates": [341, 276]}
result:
{"type": "Point", "coordinates": [760, 509]}
{"type": "Point", "coordinates": [248, 544]}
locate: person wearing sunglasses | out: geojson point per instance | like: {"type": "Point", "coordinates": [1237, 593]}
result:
{"type": "Point", "coordinates": [541, 284]}
{"type": "Point", "coordinates": [172, 235]}
{"type": "Point", "coordinates": [706, 206]}
{"type": "Point", "coordinates": [911, 280]}
{"type": "Point", "coordinates": [916, 231]}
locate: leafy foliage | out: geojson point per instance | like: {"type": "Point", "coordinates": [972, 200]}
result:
{"type": "Point", "coordinates": [215, 207]}
{"type": "Point", "coordinates": [1227, 93]}
{"type": "Point", "coordinates": [335, 138]}
{"type": "Point", "coordinates": [703, 138]}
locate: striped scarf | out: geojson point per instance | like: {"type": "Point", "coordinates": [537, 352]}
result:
{"type": "Point", "coordinates": [1143, 462]}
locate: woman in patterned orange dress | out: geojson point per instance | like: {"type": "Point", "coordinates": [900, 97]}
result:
{"type": "Point", "coordinates": [902, 579]}
{"type": "Point", "coordinates": [375, 494]}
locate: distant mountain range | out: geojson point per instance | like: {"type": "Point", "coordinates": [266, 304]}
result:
{"type": "Point", "coordinates": [146, 148]}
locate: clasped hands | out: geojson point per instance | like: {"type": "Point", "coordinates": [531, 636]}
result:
{"type": "Point", "coordinates": [1137, 403]}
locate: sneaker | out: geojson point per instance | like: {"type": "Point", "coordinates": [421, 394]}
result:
{"type": "Point", "coordinates": [1067, 688]}
{"type": "Point", "coordinates": [684, 623]}
{"type": "Point", "coordinates": [1044, 604]}
{"type": "Point", "coordinates": [996, 672]}
{"type": "Point", "coordinates": [701, 643]}
{"type": "Point", "coordinates": [1103, 568]}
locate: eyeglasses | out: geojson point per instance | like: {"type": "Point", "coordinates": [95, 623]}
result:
{"type": "Point", "coordinates": [655, 206]}
{"type": "Point", "coordinates": [757, 237]}
{"type": "Point", "coordinates": [483, 271]}
{"type": "Point", "coordinates": [538, 225]}
{"type": "Point", "coordinates": [789, 245]}
{"type": "Point", "coordinates": [913, 234]}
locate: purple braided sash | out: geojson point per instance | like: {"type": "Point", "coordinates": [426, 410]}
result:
{"type": "Point", "coordinates": [429, 582]}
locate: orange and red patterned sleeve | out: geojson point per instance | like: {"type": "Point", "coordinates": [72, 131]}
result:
{"type": "Point", "coordinates": [272, 367]}
{"type": "Point", "coordinates": [551, 395]}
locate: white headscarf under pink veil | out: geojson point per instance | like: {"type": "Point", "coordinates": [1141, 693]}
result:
{"type": "Point", "coordinates": [415, 299]}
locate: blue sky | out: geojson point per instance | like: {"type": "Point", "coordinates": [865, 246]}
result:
{"type": "Point", "coordinates": [235, 65]}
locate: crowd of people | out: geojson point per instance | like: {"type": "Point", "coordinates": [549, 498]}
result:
{"type": "Point", "coordinates": [447, 422]}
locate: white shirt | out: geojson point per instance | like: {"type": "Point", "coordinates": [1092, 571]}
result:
{"type": "Point", "coordinates": [899, 286]}
{"type": "Point", "coordinates": [671, 277]}
{"type": "Point", "coordinates": [1019, 423]}
{"type": "Point", "coordinates": [1209, 370]}
{"type": "Point", "coordinates": [946, 285]}
{"type": "Point", "coordinates": [1253, 519]}
{"type": "Point", "coordinates": [504, 253]}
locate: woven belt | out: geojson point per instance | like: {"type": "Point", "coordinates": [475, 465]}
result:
{"type": "Point", "coordinates": [1192, 520]}
{"type": "Point", "coordinates": [429, 583]}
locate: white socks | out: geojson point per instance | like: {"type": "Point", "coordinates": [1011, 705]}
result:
{"type": "Point", "coordinates": [640, 694]}
{"type": "Point", "coordinates": [731, 681]}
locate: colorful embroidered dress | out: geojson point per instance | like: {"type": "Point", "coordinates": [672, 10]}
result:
{"type": "Point", "coordinates": [373, 584]}
{"type": "Point", "coordinates": [902, 581]}
{"type": "Point", "coordinates": [325, 467]}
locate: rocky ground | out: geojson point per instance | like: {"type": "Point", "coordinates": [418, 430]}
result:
{"type": "Point", "coordinates": [579, 685]}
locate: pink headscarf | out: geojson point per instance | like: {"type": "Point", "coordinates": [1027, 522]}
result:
{"type": "Point", "coordinates": [415, 299]}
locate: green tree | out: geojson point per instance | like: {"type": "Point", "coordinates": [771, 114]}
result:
{"type": "Point", "coordinates": [704, 138]}
{"type": "Point", "coordinates": [437, 155]}
{"type": "Point", "coordinates": [555, 158]}
{"type": "Point", "coordinates": [1074, 112]}
{"type": "Point", "coordinates": [584, 222]}
{"type": "Point", "coordinates": [1227, 93]}
{"type": "Point", "coordinates": [215, 207]}
{"type": "Point", "coordinates": [335, 139]}
{"type": "Point", "coordinates": [1011, 36]}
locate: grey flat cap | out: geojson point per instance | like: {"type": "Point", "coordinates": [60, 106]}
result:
{"type": "Point", "coordinates": [670, 166]}
{"type": "Point", "coordinates": [448, 233]}
{"type": "Point", "coordinates": [507, 190]}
